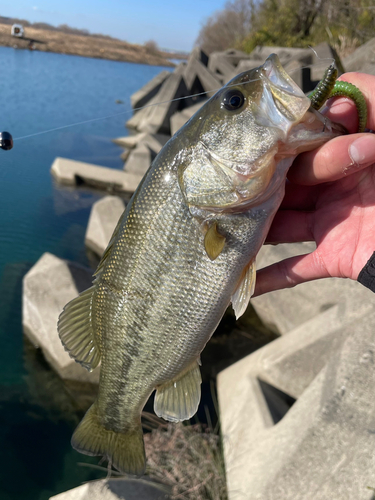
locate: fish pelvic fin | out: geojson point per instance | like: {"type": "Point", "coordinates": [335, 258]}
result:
{"type": "Point", "coordinates": [214, 242]}
{"type": "Point", "coordinates": [125, 451]}
{"type": "Point", "coordinates": [245, 289]}
{"type": "Point", "coordinates": [178, 399]}
{"type": "Point", "coordinates": [76, 331]}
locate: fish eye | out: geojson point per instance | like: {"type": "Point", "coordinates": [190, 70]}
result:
{"type": "Point", "coordinates": [233, 99]}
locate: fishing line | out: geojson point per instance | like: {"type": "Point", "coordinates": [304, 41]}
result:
{"type": "Point", "coordinates": [331, 59]}
{"type": "Point", "coordinates": [129, 112]}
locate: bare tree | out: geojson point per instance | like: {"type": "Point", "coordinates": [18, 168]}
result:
{"type": "Point", "coordinates": [226, 28]}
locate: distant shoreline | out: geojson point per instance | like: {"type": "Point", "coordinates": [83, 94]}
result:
{"type": "Point", "coordinates": [83, 45]}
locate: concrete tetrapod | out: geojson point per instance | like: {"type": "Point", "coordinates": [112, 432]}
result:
{"type": "Point", "coordinates": [47, 287]}
{"type": "Point", "coordinates": [115, 489]}
{"type": "Point", "coordinates": [104, 216]}
{"type": "Point", "coordinates": [298, 415]}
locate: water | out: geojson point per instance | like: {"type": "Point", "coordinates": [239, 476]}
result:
{"type": "Point", "coordinates": [41, 91]}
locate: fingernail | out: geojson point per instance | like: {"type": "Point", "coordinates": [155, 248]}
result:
{"type": "Point", "coordinates": [362, 150]}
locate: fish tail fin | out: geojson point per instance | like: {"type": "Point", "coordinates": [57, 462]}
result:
{"type": "Point", "coordinates": [125, 451]}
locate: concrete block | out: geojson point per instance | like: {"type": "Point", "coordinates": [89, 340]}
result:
{"type": "Point", "coordinates": [221, 67]}
{"type": "Point", "coordinates": [116, 489]}
{"type": "Point", "coordinates": [246, 65]}
{"type": "Point", "coordinates": [125, 155]}
{"type": "Point", "coordinates": [104, 216]}
{"type": "Point", "coordinates": [158, 118]}
{"type": "Point", "coordinates": [139, 159]}
{"type": "Point", "coordinates": [362, 59]}
{"type": "Point", "coordinates": [148, 91]}
{"type": "Point", "coordinates": [179, 119]}
{"type": "Point", "coordinates": [285, 54]}
{"type": "Point", "coordinates": [284, 310]}
{"type": "Point", "coordinates": [73, 173]}
{"type": "Point", "coordinates": [47, 287]}
{"type": "Point", "coordinates": [129, 141]}
{"type": "Point", "coordinates": [155, 118]}
{"type": "Point", "coordinates": [200, 55]}
{"type": "Point", "coordinates": [297, 416]}
{"type": "Point", "coordinates": [234, 56]}
{"type": "Point", "coordinates": [136, 119]}
{"type": "Point", "coordinates": [154, 141]}
{"type": "Point", "coordinates": [199, 79]}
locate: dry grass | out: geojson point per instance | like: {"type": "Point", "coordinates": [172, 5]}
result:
{"type": "Point", "coordinates": [81, 45]}
{"type": "Point", "coordinates": [186, 458]}
{"type": "Point", "coordinates": [344, 45]}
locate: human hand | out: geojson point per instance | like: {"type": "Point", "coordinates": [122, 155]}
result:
{"type": "Point", "coordinates": [329, 199]}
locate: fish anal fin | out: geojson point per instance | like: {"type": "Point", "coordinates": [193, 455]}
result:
{"type": "Point", "coordinates": [179, 398]}
{"type": "Point", "coordinates": [214, 242]}
{"type": "Point", "coordinates": [245, 289]}
{"type": "Point", "coordinates": [76, 332]}
{"type": "Point", "coordinates": [125, 451]}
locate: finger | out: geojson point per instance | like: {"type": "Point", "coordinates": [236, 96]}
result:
{"type": "Point", "coordinates": [290, 226]}
{"type": "Point", "coordinates": [342, 110]}
{"type": "Point", "coordinates": [334, 160]}
{"type": "Point", "coordinates": [289, 273]}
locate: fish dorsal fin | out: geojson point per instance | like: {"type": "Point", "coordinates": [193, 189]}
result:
{"type": "Point", "coordinates": [241, 297]}
{"type": "Point", "coordinates": [214, 242]}
{"type": "Point", "coordinates": [179, 398]}
{"type": "Point", "coordinates": [76, 332]}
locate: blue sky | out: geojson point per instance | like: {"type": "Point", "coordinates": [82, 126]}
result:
{"type": "Point", "coordinates": [172, 24]}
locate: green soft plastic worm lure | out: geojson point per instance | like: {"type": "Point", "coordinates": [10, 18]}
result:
{"type": "Point", "coordinates": [328, 87]}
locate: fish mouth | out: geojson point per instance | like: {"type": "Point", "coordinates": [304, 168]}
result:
{"type": "Point", "coordinates": [282, 103]}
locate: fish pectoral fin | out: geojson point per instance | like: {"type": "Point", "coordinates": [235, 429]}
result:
{"type": "Point", "coordinates": [179, 398]}
{"type": "Point", "coordinates": [124, 450]}
{"type": "Point", "coordinates": [241, 297]}
{"type": "Point", "coordinates": [76, 332]}
{"type": "Point", "coordinates": [214, 242]}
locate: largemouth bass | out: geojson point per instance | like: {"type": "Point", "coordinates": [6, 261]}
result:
{"type": "Point", "coordinates": [183, 250]}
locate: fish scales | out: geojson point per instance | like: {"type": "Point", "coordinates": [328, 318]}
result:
{"type": "Point", "coordinates": [162, 290]}
{"type": "Point", "coordinates": [184, 249]}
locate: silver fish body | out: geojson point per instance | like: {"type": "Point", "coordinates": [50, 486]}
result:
{"type": "Point", "coordinates": [184, 249]}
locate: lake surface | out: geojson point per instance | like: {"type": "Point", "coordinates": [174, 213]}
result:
{"type": "Point", "coordinates": [42, 91]}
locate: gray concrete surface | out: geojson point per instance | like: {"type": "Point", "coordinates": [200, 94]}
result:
{"type": "Point", "coordinates": [322, 446]}
{"type": "Point", "coordinates": [284, 310]}
{"type": "Point", "coordinates": [115, 489]}
{"type": "Point", "coordinates": [155, 118]}
{"type": "Point", "coordinates": [362, 59]}
{"type": "Point", "coordinates": [198, 78]}
{"type": "Point", "coordinates": [154, 141]}
{"type": "Point", "coordinates": [200, 55]}
{"type": "Point", "coordinates": [104, 216]}
{"type": "Point", "coordinates": [47, 287]}
{"type": "Point", "coordinates": [73, 173]}
{"type": "Point", "coordinates": [221, 67]}
{"type": "Point", "coordinates": [148, 91]}
{"type": "Point", "coordinates": [139, 159]}
{"type": "Point", "coordinates": [285, 54]}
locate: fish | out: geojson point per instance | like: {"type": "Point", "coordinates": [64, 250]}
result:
{"type": "Point", "coordinates": [183, 250]}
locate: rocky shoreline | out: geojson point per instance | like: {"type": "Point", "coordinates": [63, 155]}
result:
{"type": "Point", "coordinates": [83, 45]}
